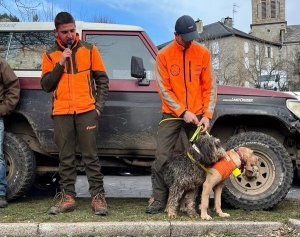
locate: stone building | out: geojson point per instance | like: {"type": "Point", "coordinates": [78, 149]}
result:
{"type": "Point", "coordinates": [269, 23]}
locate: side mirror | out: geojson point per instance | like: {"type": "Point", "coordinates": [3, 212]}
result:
{"type": "Point", "coordinates": [138, 71]}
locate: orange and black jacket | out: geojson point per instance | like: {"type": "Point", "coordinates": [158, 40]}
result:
{"type": "Point", "coordinates": [73, 85]}
{"type": "Point", "coordinates": [184, 80]}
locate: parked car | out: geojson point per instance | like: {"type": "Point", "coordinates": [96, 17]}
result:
{"type": "Point", "coordinates": [264, 120]}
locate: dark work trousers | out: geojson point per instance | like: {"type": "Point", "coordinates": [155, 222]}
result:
{"type": "Point", "coordinates": [82, 128]}
{"type": "Point", "coordinates": [170, 133]}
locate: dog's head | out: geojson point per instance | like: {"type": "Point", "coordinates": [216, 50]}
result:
{"type": "Point", "coordinates": [245, 157]}
{"type": "Point", "coordinates": [207, 150]}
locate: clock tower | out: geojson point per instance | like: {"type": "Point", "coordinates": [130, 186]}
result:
{"type": "Point", "coordinates": [268, 20]}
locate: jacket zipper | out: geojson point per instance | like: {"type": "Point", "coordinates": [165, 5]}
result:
{"type": "Point", "coordinates": [190, 70]}
{"type": "Point", "coordinates": [186, 92]}
{"type": "Point", "coordinates": [89, 85]}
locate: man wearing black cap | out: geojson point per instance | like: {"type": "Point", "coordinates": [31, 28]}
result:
{"type": "Point", "coordinates": [188, 91]}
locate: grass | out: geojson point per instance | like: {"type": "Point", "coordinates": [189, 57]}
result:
{"type": "Point", "coordinates": [35, 210]}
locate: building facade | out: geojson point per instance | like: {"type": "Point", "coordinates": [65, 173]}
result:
{"type": "Point", "coordinates": [269, 23]}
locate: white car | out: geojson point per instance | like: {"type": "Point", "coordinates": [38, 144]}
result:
{"type": "Point", "coordinates": [294, 93]}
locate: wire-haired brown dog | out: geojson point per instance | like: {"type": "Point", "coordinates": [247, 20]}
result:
{"type": "Point", "coordinates": [182, 173]}
{"type": "Point", "coordinates": [199, 165]}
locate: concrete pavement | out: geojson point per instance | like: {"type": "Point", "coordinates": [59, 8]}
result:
{"type": "Point", "coordinates": [143, 229]}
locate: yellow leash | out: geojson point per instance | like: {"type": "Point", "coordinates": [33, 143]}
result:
{"type": "Point", "coordinates": [196, 134]}
{"type": "Point", "coordinates": [197, 163]}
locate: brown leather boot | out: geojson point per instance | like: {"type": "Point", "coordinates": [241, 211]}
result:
{"type": "Point", "coordinates": [99, 205]}
{"type": "Point", "coordinates": [65, 204]}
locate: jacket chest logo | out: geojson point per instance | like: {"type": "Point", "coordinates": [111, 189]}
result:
{"type": "Point", "coordinates": [175, 70]}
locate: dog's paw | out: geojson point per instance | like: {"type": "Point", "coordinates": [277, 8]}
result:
{"type": "Point", "coordinates": [224, 214]}
{"type": "Point", "coordinates": [183, 209]}
{"type": "Point", "coordinates": [193, 215]}
{"type": "Point", "coordinates": [206, 217]}
{"type": "Point", "coordinates": [172, 215]}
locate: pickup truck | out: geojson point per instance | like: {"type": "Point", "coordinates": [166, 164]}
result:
{"type": "Point", "coordinates": [266, 121]}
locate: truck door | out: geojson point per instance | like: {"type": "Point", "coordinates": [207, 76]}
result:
{"type": "Point", "coordinates": [129, 122]}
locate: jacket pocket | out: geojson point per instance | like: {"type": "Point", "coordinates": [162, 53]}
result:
{"type": "Point", "coordinates": [89, 86]}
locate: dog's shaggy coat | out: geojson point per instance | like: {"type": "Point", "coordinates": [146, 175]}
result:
{"type": "Point", "coordinates": [182, 175]}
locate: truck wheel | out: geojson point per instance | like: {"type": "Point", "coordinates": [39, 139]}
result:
{"type": "Point", "coordinates": [20, 166]}
{"type": "Point", "coordinates": [275, 174]}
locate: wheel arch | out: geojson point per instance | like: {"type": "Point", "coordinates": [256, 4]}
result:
{"type": "Point", "coordinates": [22, 126]}
{"type": "Point", "coordinates": [228, 125]}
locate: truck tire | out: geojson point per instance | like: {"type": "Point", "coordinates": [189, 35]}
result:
{"type": "Point", "coordinates": [275, 174]}
{"type": "Point", "coordinates": [20, 166]}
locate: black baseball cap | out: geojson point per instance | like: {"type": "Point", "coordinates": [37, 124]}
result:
{"type": "Point", "coordinates": [186, 27]}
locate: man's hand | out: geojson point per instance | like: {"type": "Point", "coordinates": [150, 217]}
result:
{"type": "Point", "coordinates": [205, 123]}
{"type": "Point", "coordinates": [66, 54]}
{"type": "Point", "coordinates": [189, 117]}
{"type": "Point", "coordinates": [98, 112]}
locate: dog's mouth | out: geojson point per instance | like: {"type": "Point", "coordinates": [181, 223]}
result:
{"type": "Point", "coordinates": [252, 172]}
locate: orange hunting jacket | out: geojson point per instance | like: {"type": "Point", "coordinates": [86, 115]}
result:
{"type": "Point", "coordinates": [224, 167]}
{"type": "Point", "coordinates": [73, 85]}
{"type": "Point", "coordinates": [184, 80]}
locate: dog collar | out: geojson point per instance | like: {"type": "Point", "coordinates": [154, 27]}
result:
{"type": "Point", "coordinates": [196, 148]}
{"type": "Point", "coordinates": [241, 158]}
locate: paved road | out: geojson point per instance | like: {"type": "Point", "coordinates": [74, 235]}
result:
{"type": "Point", "coordinates": [136, 186]}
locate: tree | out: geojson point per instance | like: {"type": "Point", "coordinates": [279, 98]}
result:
{"type": "Point", "coordinates": [102, 19]}
{"type": "Point", "coordinates": [6, 17]}
{"type": "Point", "coordinates": [26, 8]}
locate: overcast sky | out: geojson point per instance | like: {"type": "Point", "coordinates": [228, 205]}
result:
{"type": "Point", "coordinates": [157, 17]}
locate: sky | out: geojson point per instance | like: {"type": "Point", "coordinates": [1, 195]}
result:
{"type": "Point", "coordinates": [158, 17]}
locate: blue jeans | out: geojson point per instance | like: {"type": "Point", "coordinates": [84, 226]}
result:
{"type": "Point", "coordinates": [3, 182]}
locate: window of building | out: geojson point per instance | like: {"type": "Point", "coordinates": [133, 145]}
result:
{"type": "Point", "coordinates": [256, 49]}
{"type": "Point", "coordinates": [269, 66]}
{"type": "Point", "coordinates": [257, 65]}
{"type": "Point", "coordinates": [268, 52]}
{"type": "Point", "coordinates": [215, 48]}
{"type": "Point", "coordinates": [215, 63]}
{"type": "Point", "coordinates": [247, 64]}
{"type": "Point", "coordinates": [263, 9]}
{"type": "Point", "coordinates": [273, 9]}
{"type": "Point", "coordinates": [246, 47]}
{"type": "Point", "coordinates": [117, 50]}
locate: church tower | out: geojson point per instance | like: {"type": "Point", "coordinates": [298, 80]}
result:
{"type": "Point", "coordinates": [268, 20]}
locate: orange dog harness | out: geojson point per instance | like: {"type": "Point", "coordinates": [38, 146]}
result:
{"type": "Point", "coordinates": [224, 167]}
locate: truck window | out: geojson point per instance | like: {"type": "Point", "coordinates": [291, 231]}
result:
{"type": "Point", "coordinates": [116, 52]}
{"type": "Point", "coordinates": [23, 50]}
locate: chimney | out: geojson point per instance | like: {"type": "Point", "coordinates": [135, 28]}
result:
{"type": "Point", "coordinates": [228, 22]}
{"type": "Point", "coordinates": [199, 25]}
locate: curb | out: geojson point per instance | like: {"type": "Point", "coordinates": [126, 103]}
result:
{"type": "Point", "coordinates": [159, 228]}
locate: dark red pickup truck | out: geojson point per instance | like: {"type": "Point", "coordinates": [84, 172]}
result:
{"type": "Point", "coordinates": [266, 121]}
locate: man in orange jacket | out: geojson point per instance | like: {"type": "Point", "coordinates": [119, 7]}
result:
{"type": "Point", "coordinates": [70, 70]}
{"type": "Point", "coordinates": [188, 91]}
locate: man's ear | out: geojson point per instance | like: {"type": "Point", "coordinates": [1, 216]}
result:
{"type": "Point", "coordinates": [55, 32]}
